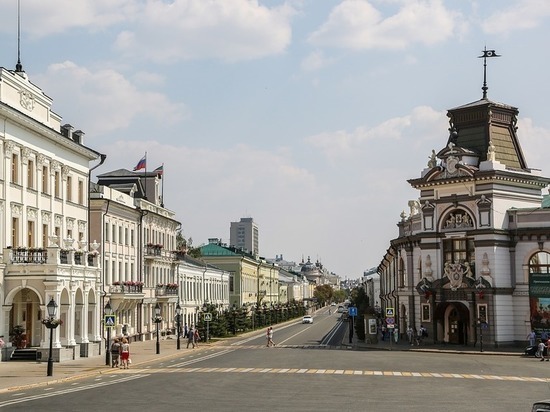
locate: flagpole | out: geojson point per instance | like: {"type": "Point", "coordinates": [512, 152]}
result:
{"type": "Point", "coordinates": [145, 175]}
{"type": "Point", "coordinates": [162, 177]}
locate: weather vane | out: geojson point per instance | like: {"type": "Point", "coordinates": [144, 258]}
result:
{"type": "Point", "coordinates": [486, 53]}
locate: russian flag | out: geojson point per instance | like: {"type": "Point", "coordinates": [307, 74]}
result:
{"type": "Point", "coordinates": [141, 164]}
{"type": "Point", "coordinates": [159, 170]}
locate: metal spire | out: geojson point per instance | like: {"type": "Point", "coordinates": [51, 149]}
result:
{"type": "Point", "coordinates": [18, 66]}
{"type": "Point", "coordinates": [486, 53]}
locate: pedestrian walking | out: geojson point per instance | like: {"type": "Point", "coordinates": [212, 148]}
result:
{"type": "Point", "coordinates": [115, 353]}
{"type": "Point", "coordinates": [185, 330]}
{"type": "Point", "coordinates": [269, 337]}
{"type": "Point", "coordinates": [410, 335]}
{"type": "Point", "coordinates": [417, 336]}
{"type": "Point", "coordinates": [532, 337]}
{"type": "Point", "coordinates": [125, 354]}
{"type": "Point", "coordinates": [196, 337]}
{"type": "Point", "coordinates": [191, 338]}
{"type": "Point", "coordinates": [542, 349]}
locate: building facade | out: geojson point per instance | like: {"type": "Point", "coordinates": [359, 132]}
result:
{"type": "Point", "coordinates": [474, 245]}
{"type": "Point", "coordinates": [244, 235]}
{"type": "Point", "coordinates": [44, 178]}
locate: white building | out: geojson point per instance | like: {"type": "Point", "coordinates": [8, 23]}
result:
{"type": "Point", "coordinates": [44, 177]}
{"type": "Point", "coordinates": [473, 254]}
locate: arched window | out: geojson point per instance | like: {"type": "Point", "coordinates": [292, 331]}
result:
{"type": "Point", "coordinates": [401, 272]}
{"type": "Point", "coordinates": [539, 263]}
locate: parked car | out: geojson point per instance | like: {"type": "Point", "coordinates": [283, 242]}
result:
{"type": "Point", "coordinates": [307, 319]}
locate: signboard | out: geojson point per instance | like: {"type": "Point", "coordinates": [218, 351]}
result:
{"type": "Point", "coordinates": [207, 317]}
{"type": "Point", "coordinates": [110, 320]}
{"type": "Point", "coordinates": [390, 312]}
{"type": "Point", "coordinates": [352, 311]}
{"type": "Point", "coordinates": [372, 327]}
{"type": "Point", "coordinates": [391, 326]}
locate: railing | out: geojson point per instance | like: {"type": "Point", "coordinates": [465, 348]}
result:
{"type": "Point", "coordinates": [165, 291]}
{"type": "Point", "coordinates": [37, 256]}
{"type": "Point", "coordinates": [40, 257]}
{"type": "Point", "coordinates": [126, 288]}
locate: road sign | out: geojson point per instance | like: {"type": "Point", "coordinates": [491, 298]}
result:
{"type": "Point", "coordinates": [207, 317]}
{"type": "Point", "coordinates": [391, 326]}
{"type": "Point", "coordinates": [352, 311]}
{"type": "Point", "coordinates": [389, 312]}
{"type": "Point", "coordinates": [110, 320]}
{"type": "Point", "coordinates": [390, 321]}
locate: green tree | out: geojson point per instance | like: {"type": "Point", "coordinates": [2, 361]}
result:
{"type": "Point", "coordinates": [323, 293]}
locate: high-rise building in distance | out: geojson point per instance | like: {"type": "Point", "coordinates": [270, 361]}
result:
{"type": "Point", "coordinates": [244, 235]}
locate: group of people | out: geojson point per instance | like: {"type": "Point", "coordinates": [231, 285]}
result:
{"type": "Point", "coordinates": [193, 336]}
{"type": "Point", "coordinates": [416, 336]}
{"type": "Point", "coordinates": [542, 344]}
{"type": "Point", "coordinates": [269, 337]}
{"type": "Point", "coordinates": [120, 353]}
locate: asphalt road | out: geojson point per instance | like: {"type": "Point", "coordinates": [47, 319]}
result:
{"type": "Point", "coordinates": [306, 371]}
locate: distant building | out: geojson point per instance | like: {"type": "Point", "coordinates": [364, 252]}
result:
{"type": "Point", "coordinates": [244, 235]}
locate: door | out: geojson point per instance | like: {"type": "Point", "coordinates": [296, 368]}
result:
{"type": "Point", "coordinates": [454, 326]}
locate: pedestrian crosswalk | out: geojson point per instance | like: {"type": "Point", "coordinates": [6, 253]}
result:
{"type": "Point", "coordinates": [349, 372]}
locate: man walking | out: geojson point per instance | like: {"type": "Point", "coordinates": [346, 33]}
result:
{"type": "Point", "coordinates": [191, 337]}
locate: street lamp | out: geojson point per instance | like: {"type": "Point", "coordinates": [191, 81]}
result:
{"type": "Point", "coordinates": [51, 324]}
{"type": "Point", "coordinates": [157, 319]}
{"type": "Point", "coordinates": [178, 317]}
{"type": "Point", "coordinates": [108, 312]}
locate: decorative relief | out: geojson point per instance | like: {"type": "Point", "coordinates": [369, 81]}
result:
{"type": "Point", "coordinates": [26, 100]}
{"type": "Point", "coordinates": [9, 147]}
{"type": "Point", "coordinates": [458, 273]}
{"type": "Point", "coordinates": [16, 210]}
{"type": "Point", "coordinates": [46, 218]}
{"type": "Point", "coordinates": [40, 159]}
{"type": "Point", "coordinates": [414, 207]}
{"type": "Point", "coordinates": [55, 166]}
{"type": "Point", "coordinates": [81, 225]}
{"type": "Point", "coordinates": [70, 223]}
{"type": "Point", "coordinates": [58, 220]}
{"type": "Point", "coordinates": [458, 219]}
{"type": "Point", "coordinates": [65, 171]}
{"type": "Point", "coordinates": [25, 154]}
{"type": "Point", "coordinates": [31, 213]}
{"type": "Point", "coordinates": [428, 271]}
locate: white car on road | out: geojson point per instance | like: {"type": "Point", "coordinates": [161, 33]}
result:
{"type": "Point", "coordinates": [307, 319]}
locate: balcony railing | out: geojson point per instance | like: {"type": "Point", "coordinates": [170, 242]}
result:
{"type": "Point", "coordinates": [38, 256]}
{"type": "Point", "coordinates": [126, 288]}
{"type": "Point", "coordinates": [166, 291]}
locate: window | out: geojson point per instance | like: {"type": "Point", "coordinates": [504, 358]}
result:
{"type": "Point", "coordinates": [120, 240]}
{"type": "Point", "coordinates": [57, 231]}
{"type": "Point", "coordinates": [56, 184]}
{"type": "Point", "coordinates": [126, 236]}
{"type": "Point", "coordinates": [44, 236]}
{"type": "Point", "coordinates": [14, 168]}
{"type": "Point", "coordinates": [45, 178]}
{"type": "Point", "coordinates": [459, 251]}
{"type": "Point", "coordinates": [69, 188]}
{"type": "Point", "coordinates": [113, 232]}
{"type": "Point", "coordinates": [80, 192]}
{"type": "Point", "coordinates": [106, 232]}
{"type": "Point", "coordinates": [540, 263]}
{"type": "Point", "coordinates": [132, 237]}
{"type": "Point", "coordinates": [15, 232]}
{"type": "Point", "coordinates": [69, 234]}
{"type": "Point", "coordinates": [30, 174]}
{"type": "Point", "coordinates": [30, 234]}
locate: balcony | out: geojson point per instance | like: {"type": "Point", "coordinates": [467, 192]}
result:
{"type": "Point", "coordinates": [50, 256]}
{"type": "Point", "coordinates": [166, 292]}
{"type": "Point", "coordinates": [133, 287]}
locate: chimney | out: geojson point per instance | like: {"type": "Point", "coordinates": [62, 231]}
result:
{"type": "Point", "coordinates": [66, 130]}
{"type": "Point", "coordinates": [78, 136]}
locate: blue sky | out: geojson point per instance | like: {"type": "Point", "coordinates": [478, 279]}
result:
{"type": "Point", "coordinates": [307, 115]}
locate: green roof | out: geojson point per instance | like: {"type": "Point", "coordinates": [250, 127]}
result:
{"type": "Point", "coordinates": [213, 249]}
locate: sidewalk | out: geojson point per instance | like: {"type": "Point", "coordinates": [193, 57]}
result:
{"type": "Point", "coordinates": [429, 346]}
{"type": "Point", "coordinates": [19, 374]}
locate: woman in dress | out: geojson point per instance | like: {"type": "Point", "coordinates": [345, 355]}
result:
{"type": "Point", "coordinates": [125, 354]}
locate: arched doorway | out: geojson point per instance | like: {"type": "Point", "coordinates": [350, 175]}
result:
{"type": "Point", "coordinates": [453, 320]}
{"type": "Point", "coordinates": [26, 312]}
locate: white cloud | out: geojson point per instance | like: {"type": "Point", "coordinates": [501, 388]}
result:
{"type": "Point", "coordinates": [195, 29]}
{"type": "Point", "coordinates": [44, 18]}
{"type": "Point", "coordinates": [423, 123]}
{"type": "Point", "coordinates": [107, 101]}
{"type": "Point", "coordinates": [314, 61]}
{"type": "Point", "coordinates": [357, 24]}
{"type": "Point", "coordinates": [534, 142]}
{"type": "Point", "coordinates": [525, 14]}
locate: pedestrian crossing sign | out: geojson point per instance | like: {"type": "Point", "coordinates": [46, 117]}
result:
{"type": "Point", "coordinates": [207, 317]}
{"type": "Point", "coordinates": [110, 320]}
{"type": "Point", "coordinates": [389, 312]}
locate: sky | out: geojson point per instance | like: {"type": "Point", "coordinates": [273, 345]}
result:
{"type": "Point", "coordinates": [307, 115]}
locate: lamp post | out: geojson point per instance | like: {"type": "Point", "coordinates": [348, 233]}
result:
{"type": "Point", "coordinates": [51, 324]}
{"type": "Point", "coordinates": [108, 312]}
{"type": "Point", "coordinates": [157, 319]}
{"type": "Point", "coordinates": [178, 317]}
